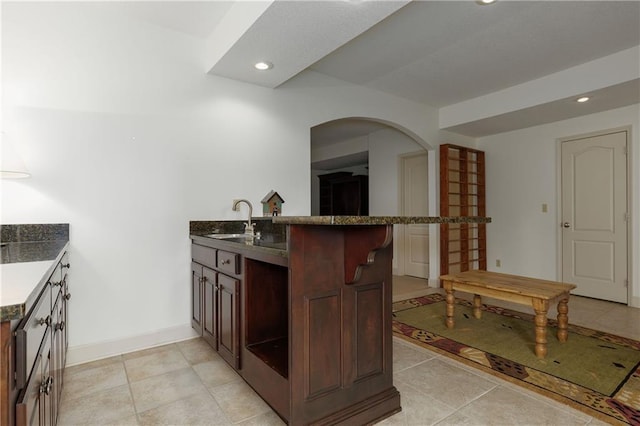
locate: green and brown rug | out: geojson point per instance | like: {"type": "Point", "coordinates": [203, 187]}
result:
{"type": "Point", "coordinates": [593, 371]}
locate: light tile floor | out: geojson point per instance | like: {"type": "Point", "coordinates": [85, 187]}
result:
{"type": "Point", "coordinates": [186, 383]}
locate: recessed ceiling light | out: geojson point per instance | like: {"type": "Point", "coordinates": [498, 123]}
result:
{"type": "Point", "coordinates": [485, 2]}
{"type": "Point", "coordinates": [263, 66]}
{"type": "Point", "coordinates": [582, 99]}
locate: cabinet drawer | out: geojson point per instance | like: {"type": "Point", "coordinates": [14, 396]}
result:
{"type": "Point", "coordinates": [203, 255]}
{"type": "Point", "coordinates": [30, 334]}
{"type": "Point", "coordinates": [228, 262]}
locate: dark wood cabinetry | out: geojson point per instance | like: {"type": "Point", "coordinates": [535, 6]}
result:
{"type": "Point", "coordinates": [197, 287]}
{"type": "Point", "coordinates": [215, 301]}
{"type": "Point", "coordinates": [209, 311]}
{"type": "Point", "coordinates": [313, 329]}
{"type": "Point", "coordinates": [31, 386]}
{"type": "Point", "coordinates": [228, 317]}
{"type": "Point", "coordinates": [342, 194]}
{"type": "Point", "coordinates": [340, 352]}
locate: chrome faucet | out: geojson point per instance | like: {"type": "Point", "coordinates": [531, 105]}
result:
{"type": "Point", "coordinates": [248, 226]}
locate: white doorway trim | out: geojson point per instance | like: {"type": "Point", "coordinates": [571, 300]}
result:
{"type": "Point", "coordinates": [630, 188]}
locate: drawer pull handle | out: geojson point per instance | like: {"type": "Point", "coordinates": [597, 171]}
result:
{"type": "Point", "coordinates": [67, 265]}
{"type": "Point", "coordinates": [60, 326]}
{"type": "Point", "coordinates": [43, 321]}
{"type": "Point", "coordinates": [225, 262]}
{"type": "Point", "coordinates": [67, 296]}
{"type": "Point", "coordinates": [45, 387]}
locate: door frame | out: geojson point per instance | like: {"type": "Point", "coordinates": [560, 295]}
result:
{"type": "Point", "coordinates": [559, 233]}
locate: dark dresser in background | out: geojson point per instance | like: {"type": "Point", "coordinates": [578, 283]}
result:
{"type": "Point", "coordinates": [343, 194]}
{"type": "Point", "coordinates": [34, 296]}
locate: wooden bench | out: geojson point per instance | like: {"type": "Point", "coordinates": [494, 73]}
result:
{"type": "Point", "coordinates": [513, 288]}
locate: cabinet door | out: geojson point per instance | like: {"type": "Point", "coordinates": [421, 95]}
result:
{"type": "Point", "coordinates": [48, 387]}
{"type": "Point", "coordinates": [57, 357]}
{"type": "Point", "coordinates": [66, 295]}
{"type": "Point", "coordinates": [228, 319]}
{"type": "Point", "coordinates": [210, 307]}
{"type": "Point", "coordinates": [66, 265]}
{"type": "Point", "coordinates": [196, 297]}
{"type": "Point", "coordinates": [29, 335]}
{"type": "Point", "coordinates": [34, 401]}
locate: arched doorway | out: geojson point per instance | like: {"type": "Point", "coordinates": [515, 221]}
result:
{"type": "Point", "coordinates": [380, 153]}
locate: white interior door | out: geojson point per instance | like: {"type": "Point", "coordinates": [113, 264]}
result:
{"type": "Point", "coordinates": [416, 203]}
{"type": "Point", "coordinates": [594, 215]}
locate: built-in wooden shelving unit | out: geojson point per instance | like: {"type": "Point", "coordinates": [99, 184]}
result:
{"type": "Point", "coordinates": [463, 246]}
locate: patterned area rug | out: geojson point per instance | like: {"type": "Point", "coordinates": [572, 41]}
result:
{"type": "Point", "coordinates": [595, 372]}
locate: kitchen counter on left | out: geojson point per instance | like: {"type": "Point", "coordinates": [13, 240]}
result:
{"type": "Point", "coordinates": [26, 263]}
{"type": "Point", "coordinates": [34, 324]}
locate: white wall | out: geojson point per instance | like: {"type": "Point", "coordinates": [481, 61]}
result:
{"type": "Point", "coordinates": [521, 175]}
{"type": "Point", "coordinates": [128, 139]}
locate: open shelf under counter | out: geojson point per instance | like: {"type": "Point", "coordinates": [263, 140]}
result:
{"type": "Point", "coordinates": [274, 353]}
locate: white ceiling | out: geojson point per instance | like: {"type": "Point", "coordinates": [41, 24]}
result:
{"type": "Point", "coordinates": [439, 53]}
{"type": "Point", "coordinates": [442, 53]}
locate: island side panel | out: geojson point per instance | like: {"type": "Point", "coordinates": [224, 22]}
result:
{"type": "Point", "coordinates": [341, 341]}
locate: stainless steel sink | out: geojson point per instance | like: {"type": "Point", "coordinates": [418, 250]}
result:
{"type": "Point", "coordinates": [228, 236]}
{"type": "Point", "coordinates": [252, 240]}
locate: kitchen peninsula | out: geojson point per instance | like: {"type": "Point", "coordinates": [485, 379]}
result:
{"type": "Point", "coordinates": [303, 312]}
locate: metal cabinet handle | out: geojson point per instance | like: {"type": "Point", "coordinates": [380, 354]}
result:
{"type": "Point", "coordinates": [67, 296]}
{"type": "Point", "coordinates": [57, 283]}
{"type": "Point", "coordinates": [67, 265]}
{"type": "Point", "coordinates": [225, 262]}
{"type": "Point", "coordinates": [43, 321]}
{"type": "Point", "coordinates": [60, 326]}
{"type": "Point", "coordinates": [45, 387]}
{"type": "Point", "coordinates": [566, 225]}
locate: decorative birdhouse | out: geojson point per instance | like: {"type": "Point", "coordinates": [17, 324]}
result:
{"type": "Point", "coordinates": [272, 204]}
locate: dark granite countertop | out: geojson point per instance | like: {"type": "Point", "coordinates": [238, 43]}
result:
{"type": "Point", "coordinates": [375, 220]}
{"type": "Point", "coordinates": [29, 253]}
{"type": "Point", "coordinates": [272, 230]}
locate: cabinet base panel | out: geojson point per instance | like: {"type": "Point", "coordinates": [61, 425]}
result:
{"type": "Point", "coordinates": [369, 411]}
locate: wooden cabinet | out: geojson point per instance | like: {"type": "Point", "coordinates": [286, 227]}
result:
{"type": "Point", "coordinates": [342, 194]}
{"type": "Point", "coordinates": [197, 286]}
{"type": "Point", "coordinates": [34, 404]}
{"type": "Point", "coordinates": [215, 301]}
{"type": "Point", "coordinates": [229, 319]}
{"type": "Point", "coordinates": [311, 327]}
{"type": "Point", "coordinates": [209, 308]}
{"type": "Point", "coordinates": [317, 344]}
{"type": "Point", "coordinates": [39, 344]}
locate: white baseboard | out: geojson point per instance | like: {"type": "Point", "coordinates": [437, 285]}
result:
{"type": "Point", "coordinates": [95, 351]}
{"type": "Point", "coordinates": [433, 282]}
